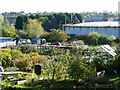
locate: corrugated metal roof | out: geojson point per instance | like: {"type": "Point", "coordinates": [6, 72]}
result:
{"type": "Point", "coordinates": [97, 24]}
{"type": "Point", "coordinates": [5, 37]}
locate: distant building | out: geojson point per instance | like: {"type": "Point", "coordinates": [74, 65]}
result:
{"type": "Point", "coordinates": [93, 19]}
{"type": "Point", "coordinates": [105, 16]}
{"type": "Point", "coordinates": [12, 20]}
{"type": "Point", "coordinates": [106, 27]}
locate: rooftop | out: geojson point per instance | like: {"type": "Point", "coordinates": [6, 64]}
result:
{"type": "Point", "coordinates": [96, 24]}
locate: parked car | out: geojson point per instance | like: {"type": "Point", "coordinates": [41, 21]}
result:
{"type": "Point", "coordinates": [25, 41]}
{"type": "Point", "coordinates": [56, 43]}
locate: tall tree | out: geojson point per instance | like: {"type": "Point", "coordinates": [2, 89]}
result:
{"type": "Point", "coordinates": [7, 30]}
{"type": "Point", "coordinates": [20, 21]}
{"type": "Point", "coordinates": [1, 18]}
{"type": "Point", "coordinates": [33, 28]}
{"type": "Point", "coordinates": [5, 23]}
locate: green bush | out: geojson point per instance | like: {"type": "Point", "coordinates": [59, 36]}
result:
{"type": "Point", "coordinates": [17, 54]}
{"type": "Point", "coordinates": [6, 59]}
{"type": "Point", "coordinates": [9, 55]}
{"type": "Point", "coordinates": [99, 63]}
{"type": "Point", "coordinates": [80, 70]}
{"type": "Point", "coordinates": [80, 42]}
{"type": "Point", "coordinates": [117, 40]}
{"type": "Point", "coordinates": [56, 36]}
{"type": "Point", "coordinates": [58, 65]}
{"type": "Point", "coordinates": [95, 38]}
{"type": "Point", "coordinates": [116, 64]}
{"type": "Point", "coordinates": [27, 50]}
{"type": "Point", "coordinates": [9, 32]}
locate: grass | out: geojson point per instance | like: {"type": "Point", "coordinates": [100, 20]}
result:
{"type": "Point", "coordinates": [36, 83]}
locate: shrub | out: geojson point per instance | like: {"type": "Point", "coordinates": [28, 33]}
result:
{"type": "Point", "coordinates": [28, 63]}
{"type": "Point", "coordinates": [9, 32]}
{"type": "Point", "coordinates": [95, 38]}
{"type": "Point", "coordinates": [8, 57]}
{"type": "Point", "coordinates": [17, 54]}
{"type": "Point", "coordinates": [103, 39]}
{"type": "Point", "coordinates": [28, 49]}
{"type": "Point", "coordinates": [58, 65]}
{"type": "Point", "coordinates": [80, 70]}
{"type": "Point", "coordinates": [117, 40]}
{"type": "Point", "coordinates": [55, 36]}
{"type": "Point", "coordinates": [100, 63]}
{"type": "Point", "coordinates": [80, 42]}
{"type": "Point", "coordinates": [116, 63]}
{"type": "Point", "coordinates": [116, 43]}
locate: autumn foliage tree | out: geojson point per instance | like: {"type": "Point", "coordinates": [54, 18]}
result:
{"type": "Point", "coordinates": [7, 30]}
{"type": "Point", "coordinates": [33, 29]}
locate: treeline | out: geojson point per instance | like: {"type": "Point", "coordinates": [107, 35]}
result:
{"type": "Point", "coordinates": [84, 14]}
{"type": "Point", "coordinates": [31, 28]}
{"type": "Point", "coordinates": [12, 14]}
{"type": "Point", "coordinates": [99, 14]}
{"type": "Point", "coordinates": [51, 21]}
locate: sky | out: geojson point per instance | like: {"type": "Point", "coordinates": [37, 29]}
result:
{"type": "Point", "coordinates": [58, 5]}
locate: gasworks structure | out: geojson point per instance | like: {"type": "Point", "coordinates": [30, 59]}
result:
{"type": "Point", "coordinates": [106, 27]}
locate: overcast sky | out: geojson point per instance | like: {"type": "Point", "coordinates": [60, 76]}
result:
{"type": "Point", "coordinates": [58, 5]}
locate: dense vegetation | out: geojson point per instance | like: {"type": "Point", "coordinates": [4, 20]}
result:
{"type": "Point", "coordinates": [7, 30]}
{"type": "Point", "coordinates": [95, 38]}
{"type": "Point", "coordinates": [54, 21]}
{"type": "Point", "coordinates": [75, 67]}
{"type": "Point", "coordinates": [62, 67]}
{"type": "Point", "coordinates": [32, 29]}
{"type": "Point", "coordinates": [55, 36]}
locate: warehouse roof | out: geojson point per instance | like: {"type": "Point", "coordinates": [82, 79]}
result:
{"type": "Point", "coordinates": [97, 24]}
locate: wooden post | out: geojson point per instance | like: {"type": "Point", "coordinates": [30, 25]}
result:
{"type": "Point", "coordinates": [53, 75]}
